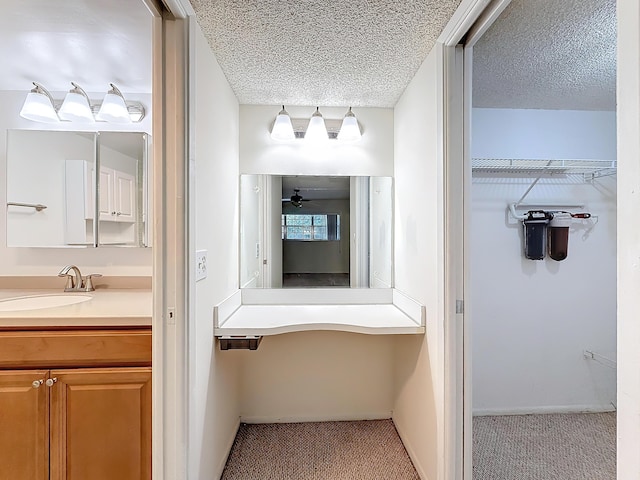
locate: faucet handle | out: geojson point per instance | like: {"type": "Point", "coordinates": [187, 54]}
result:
{"type": "Point", "coordinates": [88, 283]}
{"type": "Point", "coordinates": [69, 284]}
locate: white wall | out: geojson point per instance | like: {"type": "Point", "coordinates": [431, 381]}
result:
{"type": "Point", "coordinates": [37, 173]}
{"type": "Point", "coordinates": [419, 403]}
{"type": "Point", "coordinates": [628, 92]}
{"type": "Point", "coordinates": [214, 377]}
{"type": "Point", "coordinates": [372, 155]}
{"type": "Point", "coordinates": [545, 134]}
{"type": "Point", "coordinates": [48, 261]}
{"type": "Point", "coordinates": [532, 320]}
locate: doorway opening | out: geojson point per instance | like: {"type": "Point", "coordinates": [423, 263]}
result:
{"type": "Point", "coordinates": [543, 148]}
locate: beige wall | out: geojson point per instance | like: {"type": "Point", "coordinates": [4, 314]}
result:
{"type": "Point", "coordinates": [314, 376]}
{"type": "Point", "coordinates": [419, 402]}
{"type": "Point", "coordinates": [213, 164]}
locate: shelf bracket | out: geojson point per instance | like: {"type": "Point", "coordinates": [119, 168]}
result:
{"type": "Point", "coordinates": [244, 342]}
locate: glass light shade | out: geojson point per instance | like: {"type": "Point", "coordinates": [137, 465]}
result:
{"type": "Point", "coordinates": [113, 109]}
{"type": "Point", "coordinates": [38, 107]}
{"type": "Point", "coordinates": [316, 130]}
{"type": "Point", "coordinates": [350, 130]}
{"type": "Point", "coordinates": [282, 127]}
{"type": "Point", "coordinates": [75, 108]}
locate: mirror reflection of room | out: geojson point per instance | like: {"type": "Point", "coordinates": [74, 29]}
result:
{"type": "Point", "coordinates": [309, 231]}
{"type": "Point", "coordinates": [57, 181]}
{"type": "Point", "coordinates": [315, 231]}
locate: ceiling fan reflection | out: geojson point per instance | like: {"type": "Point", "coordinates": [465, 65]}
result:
{"type": "Point", "coordinates": [295, 199]}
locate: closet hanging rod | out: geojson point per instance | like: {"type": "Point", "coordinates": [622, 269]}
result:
{"type": "Point", "coordinates": [546, 206]}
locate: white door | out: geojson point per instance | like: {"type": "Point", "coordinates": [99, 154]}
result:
{"type": "Point", "coordinates": [106, 206]}
{"type": "Point", "coordinates": [124, 197]}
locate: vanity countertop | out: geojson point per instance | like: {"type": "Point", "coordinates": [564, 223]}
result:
{"type": "Point", "coordinates": [107, 308]}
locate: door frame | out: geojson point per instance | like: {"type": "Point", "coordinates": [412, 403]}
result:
{"type": "Point", "coordinates": [171, 250]}
{"type": "Point", "coordinates": [471, 20]}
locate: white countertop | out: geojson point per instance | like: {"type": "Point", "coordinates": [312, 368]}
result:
{"type": "Point", "coordinates": [108, 307]}
{"type": "Point", "coordinates": [277, 319]}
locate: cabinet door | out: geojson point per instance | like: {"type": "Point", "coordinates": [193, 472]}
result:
{"type": "Point", "coordinates": [101, 424]}
{"type": "Point", "coordinates": [125, 197]}
{"type": "Point", "coordinates": [106, 204]}
{"type": "Point", "coordinates": [24, 425]}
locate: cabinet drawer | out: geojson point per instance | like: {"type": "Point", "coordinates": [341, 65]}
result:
{"type": "Point", "coordinates": [72, 348]}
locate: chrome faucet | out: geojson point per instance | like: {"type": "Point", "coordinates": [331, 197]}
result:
{"type": "Point", "coordinates": [75, 282]}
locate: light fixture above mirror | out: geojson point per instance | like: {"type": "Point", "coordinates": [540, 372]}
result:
{"type": "Point", "coordinates": [114, 107]}
{"type": "Point", "coordinates": [317, 129]}
{"type": "Point", "coordinates": [76, 106]}
{"type": "Point", "coordinates": [282, 127]}
{"type": "Point", "coordinates": [40, 106]}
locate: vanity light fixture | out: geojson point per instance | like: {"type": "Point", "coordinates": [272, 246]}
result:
{"type": "Point", "coordinates": [282, 127]}
{"type": "Point", "coordinates": [76, 106]}
{"type": "Point", "coordinates": [317, 130]}
{"type": "Point", "coordinates": [350, 130]}
{"type": "Point", "coordinates": [114, 107]}
{"type": "Point", "coordinates": [38, 106]}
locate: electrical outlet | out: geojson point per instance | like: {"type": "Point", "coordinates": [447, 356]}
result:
{"type": "Point", "coordinates": [201, 264]}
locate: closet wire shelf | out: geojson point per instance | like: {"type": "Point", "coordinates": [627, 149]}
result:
{"type": "Point", "coordinates": [589, 169]}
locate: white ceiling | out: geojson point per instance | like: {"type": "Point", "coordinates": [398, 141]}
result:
{"type": "Point", "coordinates": [539, 54]}
{"type": "Point", "coordinates": [548, 54]}
{"type": "Point", "coordinates": [90, 42]}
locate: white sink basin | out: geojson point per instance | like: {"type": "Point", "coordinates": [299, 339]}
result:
{"type": "Point", "coordinates": [37, 302]}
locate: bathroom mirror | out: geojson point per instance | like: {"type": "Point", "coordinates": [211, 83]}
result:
{"type": "Point", "coordinates": [60, 182]}
{"type": "Point", "coordinates": [315, 231]}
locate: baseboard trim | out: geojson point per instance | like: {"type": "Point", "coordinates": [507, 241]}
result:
{"type": "Point", "coordinates": [411, 452]}
{"type": "Point", "coordinates": [543, 410]}
{"type": "Point", "coordinates": [229, 444]}
{"type": "Point", "coordinates": [314, 418]}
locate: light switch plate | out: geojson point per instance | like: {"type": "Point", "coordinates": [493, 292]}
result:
{"type": "Point", "coordinates": [201, 264]}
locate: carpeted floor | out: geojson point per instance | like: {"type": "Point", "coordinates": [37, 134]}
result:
{"type": "Point", "coordinates": [362, 450]}
{"type": "Point", "coordinates": [543, 447]}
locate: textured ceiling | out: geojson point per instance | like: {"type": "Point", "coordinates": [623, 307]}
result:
{"type": "Point", "coordinates": [539, 54]}
{"type": "Point", "coordinates": [548, 54]}
{"type": "Point", "coordinates": [92, 42]}
{"type": "Point", "coordinates": [328, 53]}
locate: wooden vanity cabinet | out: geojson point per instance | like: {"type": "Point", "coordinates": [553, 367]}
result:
{"type": "Point", "coordinates": [88, 420]}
